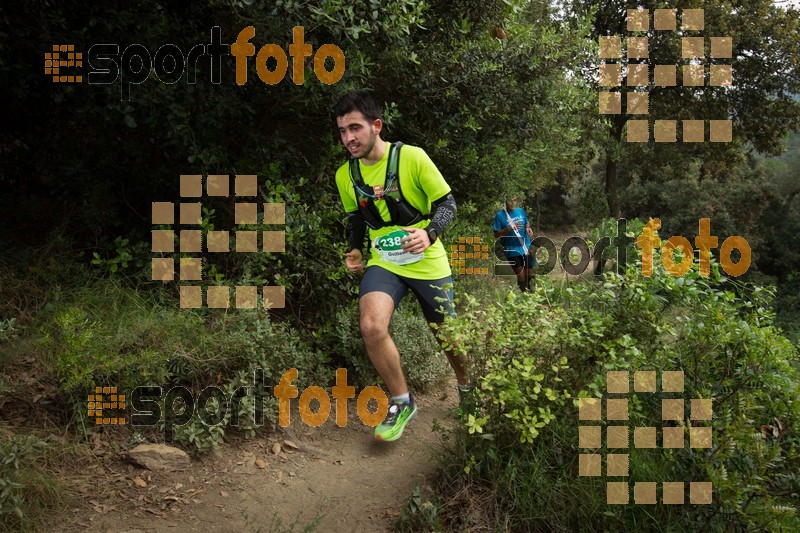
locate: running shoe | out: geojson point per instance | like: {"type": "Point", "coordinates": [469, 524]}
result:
{"type": "Point", "coordinates": [396, 419]}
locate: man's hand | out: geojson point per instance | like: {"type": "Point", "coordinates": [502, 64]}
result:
{"type": "Point", "coordinates": [417, 240]}
{"type": "Point", "coordinates": [530, 232]}
{"type": "Point", "coordinates": [353, 260]}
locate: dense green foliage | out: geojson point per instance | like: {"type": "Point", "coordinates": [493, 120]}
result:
{"type": "Point", "coordinates": [766, 58]}
{"type": "Point", "coordinates": [28, 491]}
{"type": "Point", "coordinates": [518, 453]}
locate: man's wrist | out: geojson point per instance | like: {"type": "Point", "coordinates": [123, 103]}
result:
{"type": "Point", "coordinates": [433, 234]}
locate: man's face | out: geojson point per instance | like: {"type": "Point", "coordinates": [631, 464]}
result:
{"type": "Point", "coordinates": [511, 204]}
{"type": "Point", "coordinates": [358, 134]}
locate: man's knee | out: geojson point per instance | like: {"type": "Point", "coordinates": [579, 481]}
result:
{"type": "Point", "coordinates": [372, 329]}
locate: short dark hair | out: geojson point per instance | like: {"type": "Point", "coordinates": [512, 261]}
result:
{"type": "Point", "coordinates": [358, 101]}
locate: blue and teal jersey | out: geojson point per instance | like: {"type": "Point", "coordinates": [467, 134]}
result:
{"type": "Point", "coordinates": [511, 243]}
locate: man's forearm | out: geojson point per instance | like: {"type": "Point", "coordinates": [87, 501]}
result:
{"type": "Point", "coordinates": [443, 213]}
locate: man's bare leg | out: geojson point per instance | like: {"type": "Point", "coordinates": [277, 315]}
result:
{"type": "Point", "coordinates": [375, 315]}
{"type": "Point", "coordinates": [458, 364]}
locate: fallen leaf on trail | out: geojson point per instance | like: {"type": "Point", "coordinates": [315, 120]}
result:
{"type": "Point", "coordinates": [223, 494]}
{"type": "Point", "coordinates": [261, 464]}
{"type": "Point", "coordinates": [139, 482]}
{"type": "Point", "coordinates": [153, 511]}
{"type": "Point", "coordinates": [291, 444]}
{"type": "Point", "coordinates": [276, 448]}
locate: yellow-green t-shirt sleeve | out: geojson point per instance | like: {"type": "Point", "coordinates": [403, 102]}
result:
{"type": "Point", "coordinates": [426, 176]}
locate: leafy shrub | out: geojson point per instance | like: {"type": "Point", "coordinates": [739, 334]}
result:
{"type": "Point", "coordinates": [421, 512]}
{"type": "Point", "coordinates": [787, 307]}
{"type": "Point", "coordinates": [534, 354]}
{"type": "Point", "coordinates": [122, 254]}
{"type": "Point", "coordinates": [7, 330]}
{"type": "Point", "coordinates": [108, 335]}
{"type": "Point", "coordinates": [609, 227]}
{"type": "Point", "coordinates": [26, 491]}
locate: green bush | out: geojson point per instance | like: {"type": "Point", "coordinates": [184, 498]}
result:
{"type": "Point", "coordinates": [535, 353]}
{"type": "Point", "coordinates": [27, 492]}
{"type": "Point", "coordinates": [787, 308]}
{"type": "Point", "coordinates": [106, 334]}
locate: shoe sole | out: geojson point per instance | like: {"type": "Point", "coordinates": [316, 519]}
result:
{"type": "Point", "coordinates": [400, 434]}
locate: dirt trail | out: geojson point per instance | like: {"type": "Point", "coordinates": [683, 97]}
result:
{"type": "Point", "coordinates": [358, 484]}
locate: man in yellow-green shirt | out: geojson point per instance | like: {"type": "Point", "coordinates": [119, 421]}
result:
{"type": "Point", "coordinates": [399, 193]}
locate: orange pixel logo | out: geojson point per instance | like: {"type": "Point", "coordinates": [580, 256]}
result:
{"type": "Point", "coordinates": [191, 241]}
{"type": "Point", "coordinates": [461, 252]}
{"type": "Point", "coordinates": [54, 61]}
{"type": "Point", "coordinates": [104, 399]}
{"type": "Point", "coordinates": [618, 437]}
{"type": "Point", "coordinates": [693, 74]}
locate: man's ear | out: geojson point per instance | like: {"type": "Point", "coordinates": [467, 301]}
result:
{"type": "Point", "coordinates": [377, 126]}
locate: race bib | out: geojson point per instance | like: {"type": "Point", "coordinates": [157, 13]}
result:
{"type": "Point", "coordinates": [391, 249]}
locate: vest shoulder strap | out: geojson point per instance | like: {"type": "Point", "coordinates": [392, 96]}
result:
{"type": "Point", "coordinates": [394, 162]}
{"type": "Point", "coordinates": [392, 167]}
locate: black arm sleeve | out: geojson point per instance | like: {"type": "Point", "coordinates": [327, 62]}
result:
{"type": "Point", "coordinates": [356, 229]}
{"type": "Point", "coordinates": [443, 212]}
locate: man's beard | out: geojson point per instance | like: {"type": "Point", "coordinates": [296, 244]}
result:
{"type": "Point", "coordinates": [370, 146]}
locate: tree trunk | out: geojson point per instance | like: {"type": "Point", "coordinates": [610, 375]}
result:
{"type": "Point", "coordinates": [611, 184]}
{"type": "Point", "coordinates": [611, 168]}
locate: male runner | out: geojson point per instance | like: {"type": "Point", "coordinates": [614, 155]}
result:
{"type": "Point", "coordinates": [512, 224]}
{"type": "Point", "coordinates": [406, 216]}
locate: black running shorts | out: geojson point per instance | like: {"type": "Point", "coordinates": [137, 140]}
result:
{"type": "Point", "coordinates": [528, 261]}
{"type": "Point", "coordinates": [435, 300]}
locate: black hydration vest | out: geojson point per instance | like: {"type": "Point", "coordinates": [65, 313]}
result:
{"type": "Point", "coordinates": [401, 212]}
